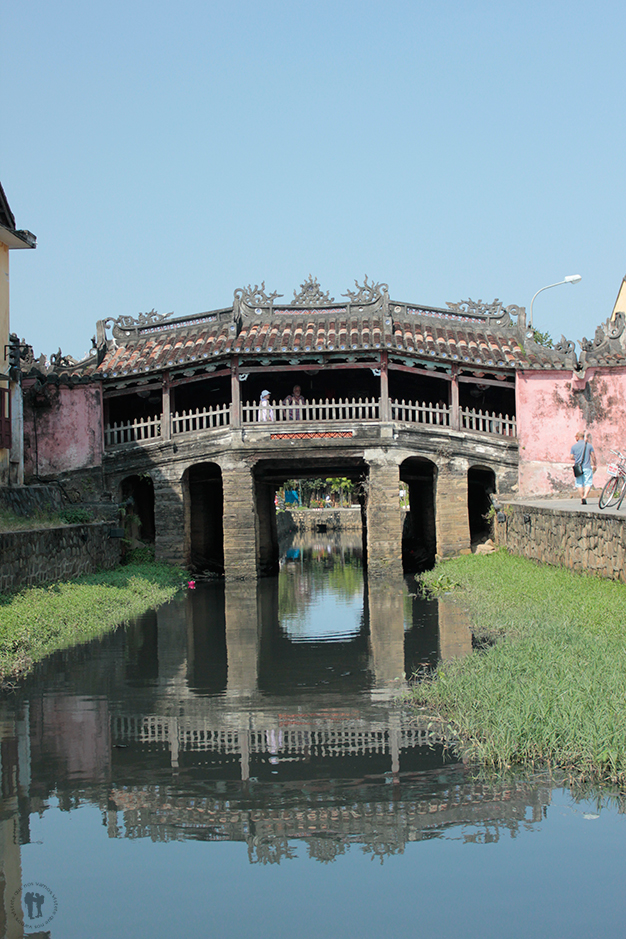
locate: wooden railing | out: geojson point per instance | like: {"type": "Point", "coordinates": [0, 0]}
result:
{"type": "Point", "coordinates": [352, 410]}
{"type": "Point", "coordinates": [329, 409]}
{"type": "Point", "coordinates": [420, 412]}
{"type": "Point", "coordinates": [488, 423]}
{"type": "Point", "coordinates": [132, 431]}
{"type": "Point", "coordinates": [188, 422]}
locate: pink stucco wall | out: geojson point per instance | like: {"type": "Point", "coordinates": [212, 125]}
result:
{"type": "Point", "coordinates": [68, 429]}
{"type": "Point", "coordinates": [551, 407]}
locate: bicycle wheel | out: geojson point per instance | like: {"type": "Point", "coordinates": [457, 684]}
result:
{"type": "Point", "coordinates": [612, 492]}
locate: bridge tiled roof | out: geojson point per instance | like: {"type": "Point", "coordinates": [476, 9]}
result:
{"type": "Point", "coordinates": [302, 334]}
{"type": "Point", "coordinates": [255, 326]}
{"type": "Point", "coordinates": [314, 325]}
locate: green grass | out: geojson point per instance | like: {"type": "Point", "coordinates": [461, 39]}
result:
{"type": "Point", "coordinates": [70, 515]}
{"type": "Point", "coordinates": [549, 684]}
{"type": "Point", "coordinates": [40, 620]}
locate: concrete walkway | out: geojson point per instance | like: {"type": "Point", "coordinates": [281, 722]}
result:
{"type": "Point", "coordinates": [572, 505]}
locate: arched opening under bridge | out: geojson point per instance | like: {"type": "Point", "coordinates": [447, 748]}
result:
{"type": "Point", "coordinates": [296, 497]}
{"type": "Point", "coordinates": [205, 501]}
{"type": "Point", "coordinates": [137, 492]}
{"type": "Point", "coordinates": [481, 484]}
{"type": "Point", "coordinates": [419, 539]}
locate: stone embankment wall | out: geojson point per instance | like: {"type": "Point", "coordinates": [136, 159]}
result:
{"type": "Point", "coordinates": [44, 555]}
{"type": "Point", "coordinates": [29, 500]}
{"type": "Point", "coordinates": [592, 542]}
{"type": "Point", "coordinates": [319, 519]}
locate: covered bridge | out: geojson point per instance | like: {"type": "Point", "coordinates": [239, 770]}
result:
{"type": "Point", "coordinates": [167, 410]}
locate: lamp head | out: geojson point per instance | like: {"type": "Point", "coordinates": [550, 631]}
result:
{"type": "Point", "coordinates": [572, 278]}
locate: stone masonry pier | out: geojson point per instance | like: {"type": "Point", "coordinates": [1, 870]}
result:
{"type": "Point", "coordinates": [214, 491]}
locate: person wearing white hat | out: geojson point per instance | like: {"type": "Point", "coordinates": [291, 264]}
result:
{"type": "Point", "coordinates": [266, 411]}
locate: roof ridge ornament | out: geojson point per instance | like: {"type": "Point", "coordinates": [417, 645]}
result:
{"type": "Point", "coordinates": [255, 296]}
{"type": "Point", "coordinates": [142, 319]}
{"type": "Point", "coordinates": [368, 292]}
{"type": "Point", "coordinates": [608, 339]}
{"type": "Point", "coordinates": [311, 294]}
{"type": "Point", "coordinates": [477, 308]}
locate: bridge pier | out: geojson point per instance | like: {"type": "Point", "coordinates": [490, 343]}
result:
{"type": "Point", "coordinates": [451, 514]}
{"type": "Point", "coordinates": [171, 521]}
{"type": "Point", "coordinates": [241, 523]}
{"type": "Point", "coordinates": [242, 637]}
{"type": "Point", "coordinates": [386, 628]}
{"type": "Point", "coordinates": [383, 519]}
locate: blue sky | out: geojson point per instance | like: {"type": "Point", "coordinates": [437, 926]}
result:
{"type": "Point", "coordinates": [165, 154]}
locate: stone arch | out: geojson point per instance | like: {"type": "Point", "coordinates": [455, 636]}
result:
{"type": "Point", "coordinates": [137, 494]}
{"type": "Point", "coordinates": [481, 484]}
{"type": "Point", "coordinates": [419, 538]}
{"type": "Point", "coordinates": [204, 512]}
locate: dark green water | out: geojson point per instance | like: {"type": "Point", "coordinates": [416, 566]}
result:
{"type": "Point", "coordinates": [237, 764]}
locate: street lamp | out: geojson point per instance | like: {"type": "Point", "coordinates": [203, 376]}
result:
{"type": "Point", "coordinates": [570, 279]}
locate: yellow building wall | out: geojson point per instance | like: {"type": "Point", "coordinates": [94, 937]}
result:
{"type": "Point", "coordinates": [4, 340]}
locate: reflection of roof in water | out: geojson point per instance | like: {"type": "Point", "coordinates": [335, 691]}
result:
{"type": "Point", "coordinates": [333, 815]}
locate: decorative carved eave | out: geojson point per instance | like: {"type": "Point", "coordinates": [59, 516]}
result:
{"type": "Point", "coordinates": [608, 347]}
{"type": "Point", "coordinates": [58, 367]}
{"type": "Point", "coordinates": [562, 355]}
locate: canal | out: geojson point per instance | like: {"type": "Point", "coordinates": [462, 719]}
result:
{"type": "Point", "coordinates": [240, 763]}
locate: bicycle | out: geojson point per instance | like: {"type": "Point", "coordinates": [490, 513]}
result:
{"type": "Point", "coordinates": [615, 487]}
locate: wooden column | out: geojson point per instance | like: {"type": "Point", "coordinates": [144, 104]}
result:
{"type": "Point", "coordinates": [455, 416]}
{"type": "Point", "coordinates": [166, 410]}
{"type": "Point", "coordinates": [383, 519]}
{"type": "Point", "coordinates": [385, 411]}
{"type": "Point", "coordinates": [235, 393]}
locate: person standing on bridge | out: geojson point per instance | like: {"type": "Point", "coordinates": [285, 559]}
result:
{"type": "Point", "coordinates": [293, 414]}
{"type": "Point", "coordinates": [583, 455]}
{"type": "Point", "coordinates": [266, 411]}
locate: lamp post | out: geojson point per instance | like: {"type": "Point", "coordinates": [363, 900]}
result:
{"type": "Point", "coordinates": [570, 279]}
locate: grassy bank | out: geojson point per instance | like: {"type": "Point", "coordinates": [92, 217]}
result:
{"type": "Point", "coordinates": [40, 620]}
{"type": "Point", "coordinates": [548, 685]}
{"type": "Point", "coordinates": [70, 515]}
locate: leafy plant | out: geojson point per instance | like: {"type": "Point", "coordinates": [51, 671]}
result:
{"type": "Point", "coordinates": [542, 339]}
{"type": "Point", "coordinates": [76, 516]}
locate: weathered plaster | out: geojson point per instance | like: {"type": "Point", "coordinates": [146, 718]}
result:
{"type": "Point", "coordinates": [551, 408]}
{"type": "Point", "coordinates": [62, 429]}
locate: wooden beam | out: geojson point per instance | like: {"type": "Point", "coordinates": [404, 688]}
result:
{"type": "Point", "coordinates": [429, 372]}
{"type": "Point", "coordinates": [118, 393]}
{"type": "Point", "coordinates": [206, 376]}
{"type": "Point", "coordinates": [487, 381]}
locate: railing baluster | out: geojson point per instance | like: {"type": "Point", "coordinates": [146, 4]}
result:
{"type": "Point", "coordinates": [319, 410]}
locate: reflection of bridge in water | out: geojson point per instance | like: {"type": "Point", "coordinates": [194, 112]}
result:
{"type": "Point", "coordinates": [283, 736]}
{"type": "Point", "coordinates": [256, 714]}
{"type": "Point", "coordinates": [330, 816]}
